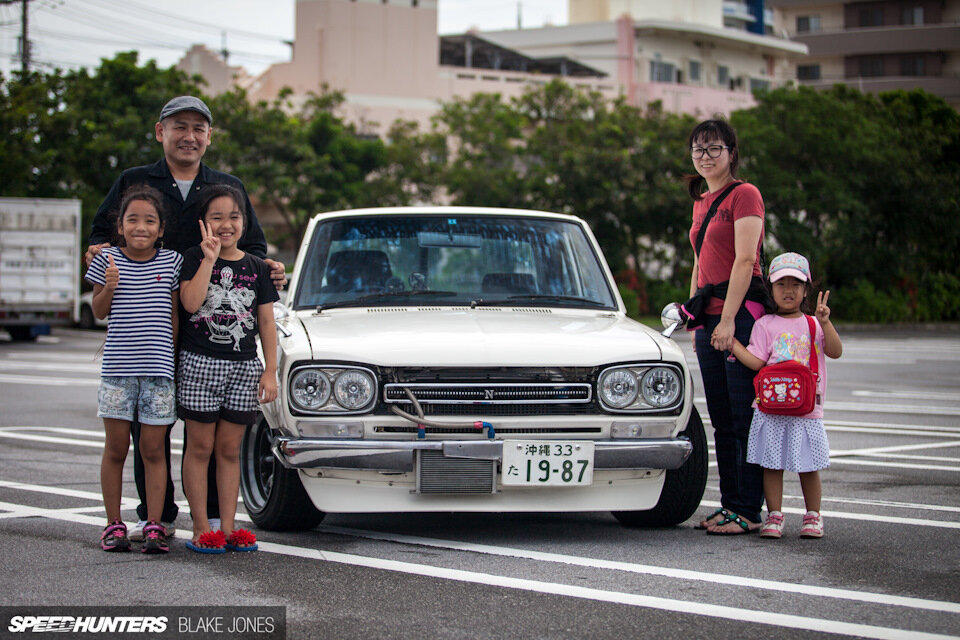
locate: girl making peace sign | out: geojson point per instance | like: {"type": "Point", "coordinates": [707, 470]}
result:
{"type": "Point", "coordinates": [226, 298]}
{"type": "Point", "coordinates": [792, 443]}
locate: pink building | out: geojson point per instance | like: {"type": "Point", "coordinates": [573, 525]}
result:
{"type": "Point", "coordinates": [388, 60]}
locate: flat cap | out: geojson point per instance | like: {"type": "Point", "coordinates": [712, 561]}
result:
{"type": "Point", "coordinates": [186, 103]}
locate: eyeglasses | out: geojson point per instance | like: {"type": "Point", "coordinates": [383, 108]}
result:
{"type": "Point", "coordinates": [712, 151]}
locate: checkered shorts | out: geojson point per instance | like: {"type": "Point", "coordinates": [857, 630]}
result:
{"type": "Point", "coordinates": [209, 389]}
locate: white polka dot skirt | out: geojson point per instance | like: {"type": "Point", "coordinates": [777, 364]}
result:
{"type": "Point", "coordinates": [788, 443]}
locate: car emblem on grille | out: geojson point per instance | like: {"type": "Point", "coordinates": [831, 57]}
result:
{"type": "Point", "coordinates": [488, 394]}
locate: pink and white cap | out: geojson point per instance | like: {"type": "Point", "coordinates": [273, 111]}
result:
{"type": "Point", "coordinates": [790, 264]}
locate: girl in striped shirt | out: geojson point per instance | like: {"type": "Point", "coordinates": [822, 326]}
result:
{"type": "Point", "coordinates": [136, 284]}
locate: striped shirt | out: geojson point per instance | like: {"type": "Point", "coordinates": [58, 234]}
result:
{"type": "Point", "coordinates": [140, 331]}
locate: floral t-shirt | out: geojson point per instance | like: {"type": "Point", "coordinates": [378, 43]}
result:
{"type": "Point", "coordinates": [777, 339]}
{"type": "Point", "coordinates": [225, 325]}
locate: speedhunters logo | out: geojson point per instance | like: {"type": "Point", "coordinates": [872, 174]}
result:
{"type": "Point", "coordinates": [259, 623]}
{"type": "Point", "coordinates": [89, 624]}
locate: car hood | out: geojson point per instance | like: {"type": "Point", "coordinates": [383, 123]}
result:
{"type": "Point", "coordinates": [487, 336]}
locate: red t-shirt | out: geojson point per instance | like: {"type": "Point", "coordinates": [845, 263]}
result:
{"type": "Point", "coordinates": [718, 251]}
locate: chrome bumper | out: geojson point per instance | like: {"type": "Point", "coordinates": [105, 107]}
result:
{"type": "Point", "coordinates": [398, 456]}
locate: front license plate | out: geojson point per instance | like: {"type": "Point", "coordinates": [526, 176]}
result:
{"type": "Point", "coordinates": [547, 462]}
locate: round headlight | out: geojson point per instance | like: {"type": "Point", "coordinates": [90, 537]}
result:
{"type": "Point", "coordinates": [660, 387]}
{"type": "Point", "coordinates": [310, 389]}
{"type": "Point", "coordinates": [353, 390]}
{"type": "Point", "coordinates": [618, 388]}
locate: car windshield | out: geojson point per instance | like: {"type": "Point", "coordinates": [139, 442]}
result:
{"type": "Point", "coordinates": [451, 261]}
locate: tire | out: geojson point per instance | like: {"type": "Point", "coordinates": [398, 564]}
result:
{"type": "Point", "coordinates": [20, 334]}
{"type": "Point", "coordinates": [273, 494]}
{"type": "Point", "coordinates": [87, 320]}
{"type": "Point", "coordinates": [682, 489]}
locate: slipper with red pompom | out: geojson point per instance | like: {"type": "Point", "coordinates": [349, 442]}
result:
{"type": "Point", "coordinates": [242, 540]}
{"type": "Point", "coordinates": [208, 542]}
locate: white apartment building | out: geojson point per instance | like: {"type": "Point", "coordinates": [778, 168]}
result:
{"type": "Point", "coordinates": [696, 56]}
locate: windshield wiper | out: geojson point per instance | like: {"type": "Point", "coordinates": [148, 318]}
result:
{"type": "Point", "coordinates": [382, 295]}
{"type": "Point", "coordinates": [480, 302]}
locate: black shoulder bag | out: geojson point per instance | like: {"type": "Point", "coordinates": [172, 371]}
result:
{"type": "Point", "coordinates": [694, 307]}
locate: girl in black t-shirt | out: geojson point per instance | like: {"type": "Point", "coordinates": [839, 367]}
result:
{"type": "Point", "coordinates": [226, 298]}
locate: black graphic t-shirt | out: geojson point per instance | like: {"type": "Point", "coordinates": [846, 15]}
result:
{"type": "Point", "coordinates": [225, 326]}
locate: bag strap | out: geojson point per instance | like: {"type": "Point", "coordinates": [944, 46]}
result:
{"type": "Point", "coordinates": [814, 360]}
{"type": "Point", "coordinates": [712, 212]}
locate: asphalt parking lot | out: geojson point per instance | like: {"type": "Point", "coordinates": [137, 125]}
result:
{"type": "Point", "coordinates": [888, 567]}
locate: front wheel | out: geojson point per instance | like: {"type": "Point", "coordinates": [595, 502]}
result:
{"type": "Point", "coordinates": [273, 494]}
{"type": "Point", "coordinates": [682, 489]}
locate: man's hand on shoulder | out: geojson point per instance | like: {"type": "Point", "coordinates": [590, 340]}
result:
{"type": "Point", "coordinates": [93, 250]}
{"type": "Point", "coordinates": [278, 273]}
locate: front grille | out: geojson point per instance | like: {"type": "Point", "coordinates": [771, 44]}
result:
{"type": "Point", "coordinates": [475, 431]}
{"type": "Point", "coordinates": [489, 393]}
{"type": "Point", "coordinates": [436, 473]}
{"type": "Point", "coordinates": [496, 410]}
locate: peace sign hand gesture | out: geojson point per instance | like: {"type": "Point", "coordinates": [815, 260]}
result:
{"type": "Point", "coordinates": [209, 244]}
{"type": "Point", "coordinates": [823, 311]}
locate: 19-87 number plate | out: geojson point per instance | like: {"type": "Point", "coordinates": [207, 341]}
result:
{"type": "Point", "coordinates": [547, 462]}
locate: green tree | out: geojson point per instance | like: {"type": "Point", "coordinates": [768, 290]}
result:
{"type": "Point", "coordinates": [863, 185]}
{"type": "Point", "coordinates": [562, 149]}
{"type": "Point", "coordinates": [299, 160]}
{"type": "Point", "coordinates": [69, 134]}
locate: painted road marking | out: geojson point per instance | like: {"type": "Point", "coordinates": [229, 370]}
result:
{"type": "Point", "coordinates": [687, 607]}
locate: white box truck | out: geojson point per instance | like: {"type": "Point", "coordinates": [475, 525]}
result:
{"type": "Point", "coordinates": [39, 264]}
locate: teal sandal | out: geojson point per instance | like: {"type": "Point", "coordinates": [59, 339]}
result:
{"type": "Point", "coordinates": [719, 512]}
{"type": "Point", "coordinates": [745, 526]}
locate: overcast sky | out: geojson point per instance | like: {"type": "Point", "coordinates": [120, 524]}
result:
{"type": "Point", "coordinates": [73, 33]}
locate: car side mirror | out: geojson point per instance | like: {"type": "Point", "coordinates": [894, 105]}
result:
{"type": "Point", "coordinates": [672, 318]}
{"type": "Point", "coordinates": [280, 315]}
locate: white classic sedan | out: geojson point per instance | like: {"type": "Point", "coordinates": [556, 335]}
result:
{"type": "Point", "coordinates": [468, 359]}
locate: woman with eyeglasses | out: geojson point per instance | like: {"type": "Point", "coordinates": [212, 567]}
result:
{"type": "Point", "coordinates": [726, 265]}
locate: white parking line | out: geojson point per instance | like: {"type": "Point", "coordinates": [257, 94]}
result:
{"type": "Point", "coordinates": [686, 607]}
{"type": "Point", "coordinates": [42, 381]}
{"type": "Point", "coordinates": [630, 567]}
{"type": "Point", "coordinates": [913, 395]}
{"type": "Point", "coordinates": [24, 365]}
{"type": "Point", "coordinates": [868, 517]}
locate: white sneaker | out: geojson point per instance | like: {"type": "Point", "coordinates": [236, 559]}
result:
{"type": "Point", "coordinates": [214, 523]}
{"type": "Point", "coordinates": [812, 525]}
{"type": "Point", "coordinates": [136, 534]}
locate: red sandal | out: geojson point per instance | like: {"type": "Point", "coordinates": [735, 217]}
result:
{"type": "Point", "coordinates": [208, 542]}
{"type": "Point", "coordinates": [242, 540]}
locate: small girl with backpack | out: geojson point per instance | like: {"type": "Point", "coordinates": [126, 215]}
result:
{"type": "Point", "coordinates": [796, 443]}
{"type": "Point", "coordinates": [137, 285]}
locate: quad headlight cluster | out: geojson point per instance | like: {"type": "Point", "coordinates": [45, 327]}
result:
{"type": "Point", "coordinates": [640, 388]}
{"type": "Point", "coordinates": [332, 390]}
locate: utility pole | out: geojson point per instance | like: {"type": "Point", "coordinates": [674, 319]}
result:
{"type": "Point", "coordinates": [24, 35]}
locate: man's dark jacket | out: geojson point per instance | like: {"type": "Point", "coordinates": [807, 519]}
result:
{"type": "Point", "coordinates": [181, 227]}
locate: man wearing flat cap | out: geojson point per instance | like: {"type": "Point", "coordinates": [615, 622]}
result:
{"type": "Point", "coordinates": [184, 130]}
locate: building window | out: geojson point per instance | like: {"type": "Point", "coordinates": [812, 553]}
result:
{"type": "Point", "coordinates": [723, 76]}
{"type": "Point", "coordinates": [759, 85]}
{"type": "Point", "coordinates": [872, 17]}
{"type": "Point", "coordinates": [912, 15]}
{"type": "Point", "coordinates": [808, 24]}
{"type": "Point", "coordinates": [871, 66]}
{"type": "Point", "coordinates": [662, 71]}
{"type": "Point", "coordinates": [808, 72]}
{"type": "Point", "coordinates": [694, 71]}
{"type": "Point", "coordinates": [912, 65]}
